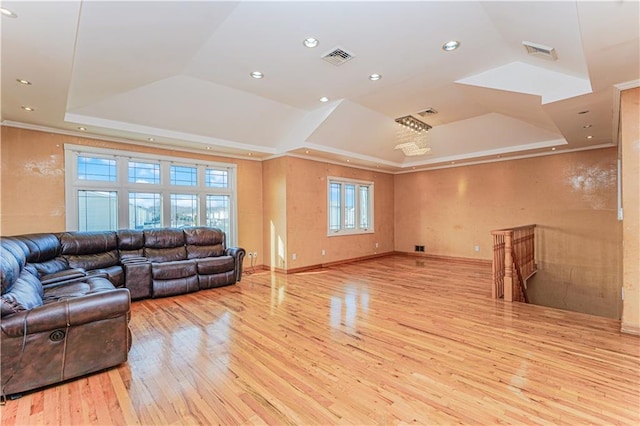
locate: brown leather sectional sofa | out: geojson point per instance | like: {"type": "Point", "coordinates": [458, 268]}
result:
{"type": "Point", "coordinates": [66, 297]}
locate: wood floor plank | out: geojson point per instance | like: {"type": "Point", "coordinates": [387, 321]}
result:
{"type": "Point", "coordinates": [394, 340]}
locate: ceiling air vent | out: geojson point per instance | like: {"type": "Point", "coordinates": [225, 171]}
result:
{"type": "Point", "coordinates": [540, 50]}
{"type": "Point", "coordinates": [427, 112]}
{"type": "Point", "coordinates": [338, 56]}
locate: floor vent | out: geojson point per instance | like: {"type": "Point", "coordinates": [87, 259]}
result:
{"type": "Point", "coordinates": [338, 56]}
{"type": "Point", "coordinates": [540, 50]}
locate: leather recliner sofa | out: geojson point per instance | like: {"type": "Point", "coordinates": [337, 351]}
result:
{"type": "Point", "coordinates": [57, 331]}
{"type": "Point", "coordinates": [69, 290]}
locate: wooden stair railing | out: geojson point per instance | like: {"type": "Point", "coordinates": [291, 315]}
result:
{"type": "Point", "coordinates": [513, 248]}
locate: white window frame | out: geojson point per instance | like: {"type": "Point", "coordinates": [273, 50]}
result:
{"type": "Point", "coordinates": [122, 185]}
{"type": "Point", "coordinates": [357, 230]}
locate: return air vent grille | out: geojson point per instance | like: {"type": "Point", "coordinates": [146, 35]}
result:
{"type": "Point", "coordinates": [540, 50]}
{"type": "Point", "coordinates": [338, 56]}
{"type": "Point", "coordinates": [427, 112]}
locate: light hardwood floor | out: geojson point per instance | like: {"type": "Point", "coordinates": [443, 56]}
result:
{"type": "Point", "coordinates": [385, 341]}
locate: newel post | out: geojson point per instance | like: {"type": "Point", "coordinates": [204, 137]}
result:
{"type": "Point", "coordinates": [508, 267]}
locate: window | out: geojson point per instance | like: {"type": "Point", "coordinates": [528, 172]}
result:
{"type": "Point", "coordinates": [181, 175]}
{"type": "Point", "coordinates": [97, 210]}
{"type": "Point", "coordinates": [109, 190]}
{"type": "Point", "coordinates": [144, 210]}
{"type": "Point", "coordinates": [218, 212]}
{"type": "Point", "coordinates": [184, 210]}
{"type": "Point", "coordinates": [144, 172]}
{"type": "Point", "coordinates": [350, 207]}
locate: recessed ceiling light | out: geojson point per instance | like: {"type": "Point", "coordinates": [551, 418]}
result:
{"type": "Point", "coordinates": [208, 147]}
{"type": "Point", "coordinates": [324, 99]}
{"type": "Point", "coordinates": [306, 151]}
{"type": "Point", "coordinates": [82, 129]}
{"type": "Point", "coordinates": [453, 162]}
{"type": "Point", "coordinates": [27, 108]}
{"type": "Point", "coordinates": [375, 77]}
{"type": "Point", "coordinates": [311, 42]}
{"type": "Point", "coordinates": [348, 161]}
{"type": "Point", "coordinates": [22, 81]}
{"type": "Point", "coordinates": [257, 74]}
{"type": "Point", "coordinates": [250, 154]}
{"type": "Point", "coordinates": [151, 139]}
{"type": "Point", "coordinates": [589, 137]}
{"type": "Point", "coordinates": [450, 45]}
{"type": "Point", "coordinates": [553, 149]}
{"type": "Point", "coordinates": [8, 13]}
{"type": "Point", "coordinates": [586, 126]}
{"type": "Point", "coordinates": [584, 112]}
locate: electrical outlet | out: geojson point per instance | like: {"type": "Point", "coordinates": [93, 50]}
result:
{"type": "Point", "coordinates": [323, 252]}
{"type": "Point", "coordinates": [376, 245]}
{"type": "Point", "coordinates": [249, 254]}
{"type": "Point", "coordinates": [476, 248]}
{"type": "Point", "coordinates": [255, 254]}
{"type": "Point", "coordinates": [294, 256]}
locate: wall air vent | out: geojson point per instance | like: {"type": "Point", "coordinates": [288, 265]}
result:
{"type": "Point", "coordinates": [540, 50]}
{"type": "Point", "coordinates": [338, 56]}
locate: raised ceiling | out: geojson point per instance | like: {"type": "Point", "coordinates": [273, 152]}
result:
{"type": "Point", "coordinates": [179, 72]}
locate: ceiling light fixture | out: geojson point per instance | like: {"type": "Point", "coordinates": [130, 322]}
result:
{"type": "Point", "coordinates": [450, 45]}
{"type": "Point", "coordinates": [324, 99]}
{"type": "Point", "coordinates": [311, 42]}
{"type": "Point", "coordinates": [257, 74]}
{"type": "Point", "coordinates": [22, 81]}
{"type": "Point", "coordinates": [151, 139]}
{"type": "Point", "coordinates": [589, 137]}
{"type": "Point", "coordinates": [413, 123]}
{"type": "Point", "coordinates": [8, 13]}
{"type": "Point", "coordinates": [28, 108]}
{"type": "Point", "coordinates": [82, 129]}
{"type": "Point", "coordinates": [553, 149]}
{"type": "Point", "coordinates": [412, 136]}
{"type": "Point", "coordinates": [375, 77]}
{"type": "Point", "coordinates": [586, 126]}
{"type": "Point", "coordinates": [208, 147]}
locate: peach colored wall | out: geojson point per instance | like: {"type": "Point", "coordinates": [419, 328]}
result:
{"type": "Point", "coordinates": [274, 181]}
{"type": "Point", "coordinates": [571, 197]}
{"type": "Point", "coordinates": [33, 183]}
{"type": "Point", "coordinates": [630, 145]}
{"type": "Point", "coordinates": [307, 215]}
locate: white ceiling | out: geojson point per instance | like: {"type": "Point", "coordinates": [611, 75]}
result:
{"type": "Point", "coordinates": [179, 72]}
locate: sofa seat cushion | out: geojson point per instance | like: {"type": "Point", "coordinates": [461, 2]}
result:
{"type": "Point", "coordinates": [215, 265]}
{"type": "Point", "coordinates": [78, 289]}
{"type": "Point", "coordinates": [173, 270]}
{"type": "Point", "coordinates": [26, 293]}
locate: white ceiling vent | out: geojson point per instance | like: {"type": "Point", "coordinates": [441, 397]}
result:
{"type": "Point", "coordinates": [427, 112]}
{"type": "Point", "coordinates": [338, 56]}
{"type": "Point", "coordinates": [540, 50]}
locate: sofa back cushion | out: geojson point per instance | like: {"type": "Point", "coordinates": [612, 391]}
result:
{"type": "Point", "coordinates": [25, 293]}
{"type": "Point", "coordinates": [12, 261]}
{"type": "Point", "coordinates": [164, 245]}
{"type": "Point", "coordinates": [130, 243]}
{"type": "Point", "coordinates": [204, 242]}
{"type": "Point", "coordinates": [41, 247]}
{"type": "Point", "coordinates": [89, 250]}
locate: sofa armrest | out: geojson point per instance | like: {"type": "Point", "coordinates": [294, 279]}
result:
{"type": "Point", "coordinates": [137, 276]}
{"type": "Point", "coordinates": [68, 312]}
{"type": "Point", "coordinates": [238, 255]}
{"type": "Point", "coordinates": [62, 276]}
